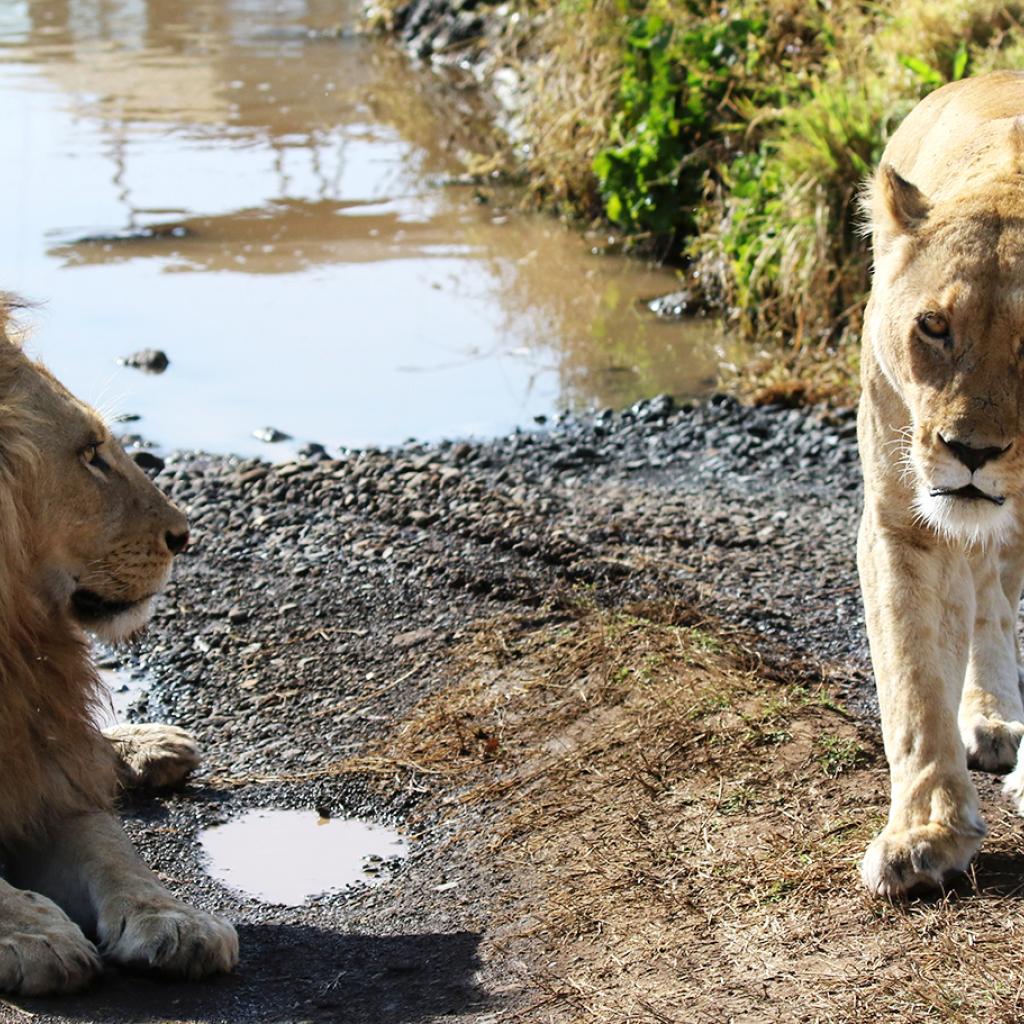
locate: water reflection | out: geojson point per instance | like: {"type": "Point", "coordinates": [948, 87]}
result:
{"type": "Point", "coordinates": [258, 190]}
{"type": "Point", "coordinates": [287, 857]}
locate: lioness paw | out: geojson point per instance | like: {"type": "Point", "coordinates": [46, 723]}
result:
{"type": "Point", "coordinates": [153, 755]}
{"type": "Point", "coordinates": [162, 934]}
{"type": "Point", "coordinates": [991, 743]}
{"type": "Point", "coordinates": [1013, 784]}
{"type": "Point", "coordinates": [42, 951]}
{"type": "Point", "coordinates": [921, 857]}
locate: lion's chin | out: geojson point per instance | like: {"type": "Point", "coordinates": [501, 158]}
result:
{"type": "Point", "coordinates": [112, 621]}
{"type": "Point", "coordinates": [964, 519]}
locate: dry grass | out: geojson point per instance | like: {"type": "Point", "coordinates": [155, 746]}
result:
{"type": "Point", "coordinates": [682, 825]}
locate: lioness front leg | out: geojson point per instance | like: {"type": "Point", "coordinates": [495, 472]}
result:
{"type": "Point", "coordinates": [89, 867]}
{"type": "Point", "coordinates": [991, 713]}
{"type": "Point", "coordinates": [919, 602]}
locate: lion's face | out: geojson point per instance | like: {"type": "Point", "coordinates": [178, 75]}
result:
{"type": "Point", "coordinates": [106, 535]}
{"type": "Point", "coordinates": [947, 326]}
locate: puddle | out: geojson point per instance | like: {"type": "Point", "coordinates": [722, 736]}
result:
{"type": "Point", "coordinates": [260, 193]}
{"type": "Point", "coordinates": [126, 686]}
{"type": "Point", "coordinates": [287, 857]}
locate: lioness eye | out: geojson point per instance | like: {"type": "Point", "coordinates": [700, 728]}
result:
{"type": "Point", "coordinates": [934, 326]}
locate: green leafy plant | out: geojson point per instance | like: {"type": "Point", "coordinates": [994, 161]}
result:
{"type": "Point", "coordinates": [672, 84]}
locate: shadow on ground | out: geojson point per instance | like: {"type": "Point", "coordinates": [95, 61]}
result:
{"type": "Point", "coordinates": [300, 973]}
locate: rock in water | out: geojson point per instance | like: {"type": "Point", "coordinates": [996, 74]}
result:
{"type": "Point", "coordinates": [152, 360]}
{"type": "Point", "coordinates": [271, 435]}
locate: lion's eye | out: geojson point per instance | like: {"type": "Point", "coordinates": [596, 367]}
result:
{"type": "Point", "coordinates": [91, 456]}
{"type": "Point", "coordinates": [934, 326]}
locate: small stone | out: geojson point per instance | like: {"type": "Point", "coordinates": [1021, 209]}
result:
{"type": "Point", "coordinates": [237, 615]}
{"type": "Point", "coordinates": [150, 360]}
{"type": "Point", "coordinates": [270, 435]}
{"type": "Point", "coordinates": [412, 638]}
{"type": "Point", "coordinates": [148, 461]}
{"type": "Point", "coordinates": [673, 306]}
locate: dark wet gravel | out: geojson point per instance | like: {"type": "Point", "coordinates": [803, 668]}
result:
{"type": "Point", "coordinates": [318, 598]}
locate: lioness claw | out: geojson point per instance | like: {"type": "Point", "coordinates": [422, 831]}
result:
{"type": "Point", "coordinates": [898, 862]}
{"type": "Point", "coordinates": [991, 743]}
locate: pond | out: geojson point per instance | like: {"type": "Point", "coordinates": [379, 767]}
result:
{"type": "Point", "coordinates": [274, 200]}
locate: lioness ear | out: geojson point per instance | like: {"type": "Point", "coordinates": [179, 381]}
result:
{"type": "Point", "coordinates": [1017, 144]}
{"type": "Point", "coordinates": [894, 204]}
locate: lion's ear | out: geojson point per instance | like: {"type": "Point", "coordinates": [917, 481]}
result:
{"type": "Point", "coordinates": [894, 205]}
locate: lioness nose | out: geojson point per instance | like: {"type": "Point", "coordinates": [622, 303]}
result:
{"type": "Point", "coordinates": [973, 458]}
{"type": "Point", "coordinates": [176, 541]}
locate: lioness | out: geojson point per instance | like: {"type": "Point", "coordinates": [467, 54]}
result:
{"type": "Point", "coordinates": [86, 541]}
{"type": "Point", "coordinates": [941, 431]}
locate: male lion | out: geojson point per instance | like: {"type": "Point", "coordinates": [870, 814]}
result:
{"type": "Point", "coordinates": [941, 429]}
{"type": "Point", "coordinates": [86, 541]}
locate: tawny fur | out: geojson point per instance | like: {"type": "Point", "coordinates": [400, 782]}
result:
{"type": "Point", "coordinates": [53, 759]}
{"type": "Point", "coordinates": [941, 573]}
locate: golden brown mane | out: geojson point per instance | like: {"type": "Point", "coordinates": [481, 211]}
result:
{"type": "Point", "coordinates": [52, 757]}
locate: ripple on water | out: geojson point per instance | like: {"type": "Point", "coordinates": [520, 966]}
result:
{"type": "Point", "coordinates": [288, 856]}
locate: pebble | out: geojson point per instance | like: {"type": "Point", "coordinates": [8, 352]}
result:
{"type": "Point", "coordinates": [151, 360]}
{"type": "Point", "coordinates": [270, 435]}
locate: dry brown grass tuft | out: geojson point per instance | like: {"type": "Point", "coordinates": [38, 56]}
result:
{"type": "Point", "coordinates": [682, 826]}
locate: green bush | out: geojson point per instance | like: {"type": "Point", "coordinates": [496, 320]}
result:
{"type": "Point", "coordinates": [651, 177]}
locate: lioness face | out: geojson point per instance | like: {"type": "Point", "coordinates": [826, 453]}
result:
{"type": "Point", "coordinates": [947, 325]}
{"type": "Point", "coordinates": [110, 535]}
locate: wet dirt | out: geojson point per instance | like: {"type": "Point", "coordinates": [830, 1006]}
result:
{"type": "Point", "coordinates": [281, 205]}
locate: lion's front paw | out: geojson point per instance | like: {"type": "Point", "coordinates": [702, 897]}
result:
{"type": "Point", "coordinates": [42, 951]}
{"type": "Point", "coordinates": [163, 934]}
{"type": "Point", "coordinates": [154, 755]}
{"type": "Point", "coordinates": [924, 856]}
{"type": "Point", "coordinates": [991, 743]}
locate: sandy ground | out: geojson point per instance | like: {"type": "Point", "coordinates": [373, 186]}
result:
{"type": "Point", "coordinates": [610, 680]}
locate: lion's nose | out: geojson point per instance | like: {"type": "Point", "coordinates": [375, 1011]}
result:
{"type": "Point", "coordinates": [973, 458]}
{"type": "Point", "coordinates": [176, 541]}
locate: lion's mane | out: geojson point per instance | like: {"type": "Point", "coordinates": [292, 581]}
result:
{"type": "Point", "coordinates": [53, 759]}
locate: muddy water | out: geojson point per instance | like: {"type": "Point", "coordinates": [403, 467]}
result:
{"type": "Point", "coordinates": [267, 196]}
{"type": "Point", "coordinates": [287, 857]}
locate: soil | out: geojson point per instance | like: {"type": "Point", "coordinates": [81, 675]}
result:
{"type": "Point", "coordinates": [610, 679]}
